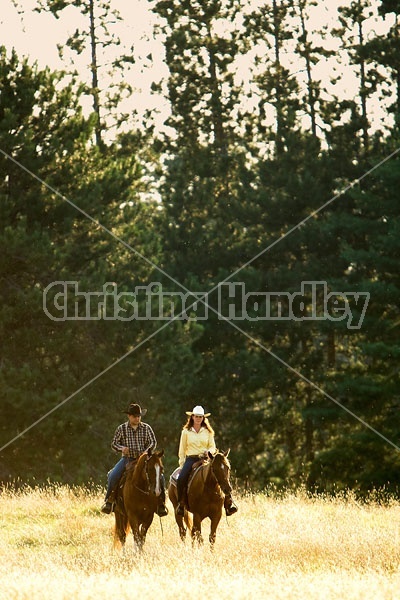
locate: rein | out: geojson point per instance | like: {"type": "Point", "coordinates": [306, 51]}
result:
{"type": "Point", "coordinates": [146, 472]}
{"type": "Point", "coordinates": [211, 476]}
{"type": "Point", "coordinates": [147, 482]}
{"type": "Point", "coordinates": [215, 477]}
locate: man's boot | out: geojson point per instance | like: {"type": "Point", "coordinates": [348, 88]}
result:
{"type": "Point", "coordinates": [162, 510]}
{"type": "Point", "coordinates": [107, 507]}
{"type": "Point", "coordinates": [109, 503]}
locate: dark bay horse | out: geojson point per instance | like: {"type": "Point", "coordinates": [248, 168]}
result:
{"type": "Point", "coordinates": [140, 494]}
{"type": "Point", "coordinates": [206, 493]}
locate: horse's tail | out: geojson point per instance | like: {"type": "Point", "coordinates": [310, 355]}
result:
{"type": "Point", "coordinates": [121, 528]}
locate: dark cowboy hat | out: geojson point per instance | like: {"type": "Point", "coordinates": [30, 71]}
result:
{"type": "Point", "coordinates": [134, 409]}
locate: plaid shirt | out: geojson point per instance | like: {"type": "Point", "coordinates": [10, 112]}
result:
{"type": "Point", "coordinates": [138, 441]}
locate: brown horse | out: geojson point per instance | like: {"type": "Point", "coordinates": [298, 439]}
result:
{"type": "Point", "coordinates": [206, 492]}
{"type": "Point", "coordinates": [140, 494]}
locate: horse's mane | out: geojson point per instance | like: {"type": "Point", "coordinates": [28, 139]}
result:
{"type": "Point", "coordinates": [137, 471]}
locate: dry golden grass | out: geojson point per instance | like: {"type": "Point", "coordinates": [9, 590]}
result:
{"type": "Point", "coordinates": [55, 544]}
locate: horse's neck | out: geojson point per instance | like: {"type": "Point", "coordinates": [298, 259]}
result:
{"type": "Point", "coordinates": [203, 481]}
{"type": "Point", "coordinates": [209, 478]}
{"type": "Point", "coordinates": [137, 474]}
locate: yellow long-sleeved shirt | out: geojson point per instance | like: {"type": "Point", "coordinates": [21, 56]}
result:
{"type": "Point", "coordinates": [195, 443]}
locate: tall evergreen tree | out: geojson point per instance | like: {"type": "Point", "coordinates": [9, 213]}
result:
{"type": "Point", "coordinates": [62, 201]}
{"type": "Point", "coordinates": [209, 221]}
{"type": "Point", "coordinates": [270, 27]}
{"type": "Point", "coordinates": [366, 380]}
{"type": "Point", "coordinates": [354, 37]}
{"type": "Point", "coordinates": [97, 40]}
{"type": "Point", "coordinates": [383, 51]}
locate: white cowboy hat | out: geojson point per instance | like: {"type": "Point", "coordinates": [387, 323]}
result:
{"type": "Point", "coordinates": [198, 411]}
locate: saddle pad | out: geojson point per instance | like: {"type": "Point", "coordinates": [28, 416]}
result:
{"type": "Point", "coordinates": [174, 476]}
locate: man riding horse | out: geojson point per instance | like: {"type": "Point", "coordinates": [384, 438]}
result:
{"type": "Point", "coordinates": [131, 438]}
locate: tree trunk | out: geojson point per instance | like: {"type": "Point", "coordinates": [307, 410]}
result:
{"type": "Point", "coordinates": [94, 70]}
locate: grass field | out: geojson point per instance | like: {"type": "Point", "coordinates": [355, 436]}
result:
{"type": "Point", "coordinates": [55, 544]}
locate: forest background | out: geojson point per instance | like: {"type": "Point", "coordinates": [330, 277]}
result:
{"type": "Point", "coordinates": [267, 155]}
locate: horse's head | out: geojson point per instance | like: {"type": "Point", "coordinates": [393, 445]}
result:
{"type": "Point", "coordinates": [221, 469]}
{"type": "Point", "coordinates": [153, 470]}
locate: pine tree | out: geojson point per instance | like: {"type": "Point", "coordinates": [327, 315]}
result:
{"type": "Point", "coordinates": [62, 201]}
{"type": "Point", "coordinates": [96, 41]}
{"type": "Point", "coordinates": [354, 35]}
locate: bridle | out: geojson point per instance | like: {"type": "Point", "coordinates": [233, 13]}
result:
{"type": "Point", "coordinates": [226, 489]}
{"type": "Point", "coordinates": [148, 491]}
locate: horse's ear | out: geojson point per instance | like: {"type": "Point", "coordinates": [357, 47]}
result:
{"type": "Point", "coordinates": [149, 452]}
{"type": "Point", "coordinates": [160, 453]}
{"type": "Point", "coordinates": [210, 456]}
{"type": "Point", "coordinates": [226, 454]}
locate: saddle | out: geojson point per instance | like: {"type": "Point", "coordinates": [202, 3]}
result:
{"type": "Point", "coordinates": [196, 466]}
{"type": "Point", "coordinates": [116, 495]}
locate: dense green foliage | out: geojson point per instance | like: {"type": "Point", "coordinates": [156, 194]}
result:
{"type": "Point", "coordinates": [268, 177]}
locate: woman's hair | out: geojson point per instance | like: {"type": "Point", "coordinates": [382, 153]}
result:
{"type": "Point", "coordinates": [205, 423]}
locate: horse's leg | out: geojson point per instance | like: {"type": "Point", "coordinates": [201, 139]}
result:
{"type": "Point", "coordinates": [215, 519]}
{"type": "Point", "coordinates": [181, 527]}
{"type": "Point", "coordinates": [142, 536]}
{"type": "Point", "coordinates": [173, 496]}
{"type": "Point", "coordinates": [145, 525]}
{"type": "Point", "coordinates": [139, 529]}
{"type": "Point", "coordinates": [188, 521]}
{"type": "Point", "coordinates": [196, 529]}
{"type": "Point", "coordinates": [137, 537]}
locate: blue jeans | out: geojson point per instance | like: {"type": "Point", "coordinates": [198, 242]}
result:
{"type": "Point", "coordinates": [115, 474]}
{"type": "Point", "coordinates": [184, 475]}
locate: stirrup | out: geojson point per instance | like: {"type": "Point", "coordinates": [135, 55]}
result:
{"type": "Point", "coordinates": [180, 510]}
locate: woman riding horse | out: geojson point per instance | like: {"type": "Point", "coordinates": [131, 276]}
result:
{"type": "Point", "coordinates": [197, 439]}
{"type": "Point", "coordinates": [208, 486]}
